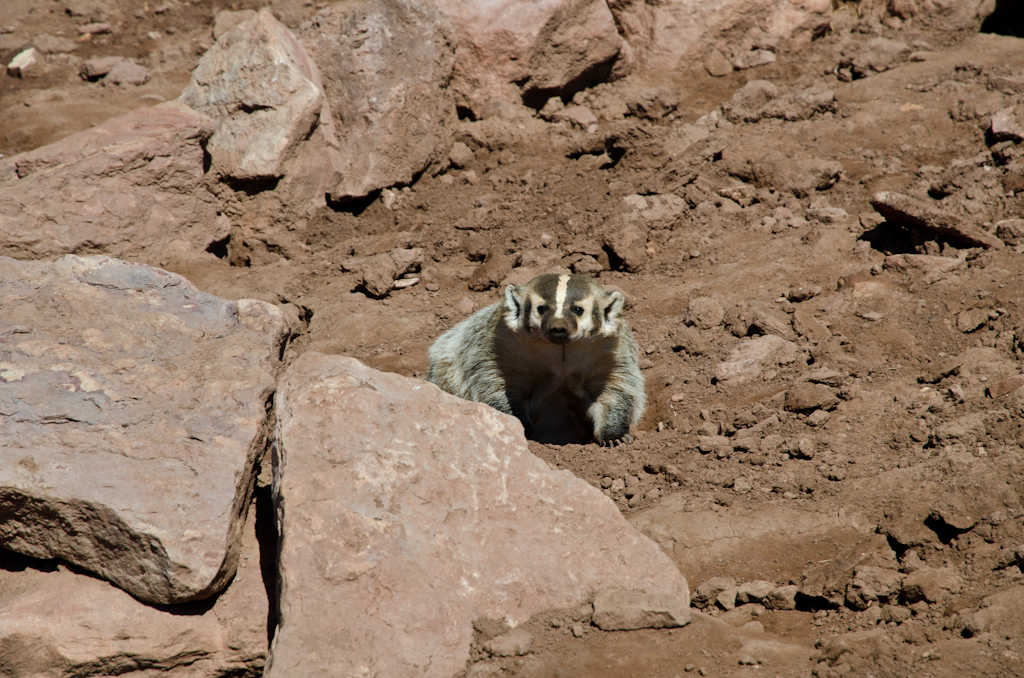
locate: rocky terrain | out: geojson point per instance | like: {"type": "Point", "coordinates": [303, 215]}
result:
{"type": "Point", "coordinates": [815, 211]}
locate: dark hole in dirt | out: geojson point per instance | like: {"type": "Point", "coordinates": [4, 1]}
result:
{"type": "Point", "coordinates": [464, 113]}
{"type": "Point", "coordinates": [266, 535]}
{"type": "Point", "coordinates": [890, 238]}
{"type": "Point", "coordinates": [353, 207]}
{"type": "Point", "coordinates": [537, 97]}
{"type": "Point", "coordinates": [219, 248]}
{"type": "Point", "coordinates": [207, 160]}
{"type": "Point", "coordinates": [1007, 19]}
{"type": "Point", "coordinates": [945, 532]}
{"type": "Point", "coordinates": [253, 186]}
{"type": "Point", "coordinates": [614, 260]}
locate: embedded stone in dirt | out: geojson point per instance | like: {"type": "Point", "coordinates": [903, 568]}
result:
{"type": "Point", "coordinates": [930, 584]}
{"type": "Point", "coordinates": [495, 269]}
{"type": "Point", "coordinates": [751, 356]}
{"type": "Point", "coordinates": [804, 397]}
{"type": "Point", "coordinates": [389, 113]}
{"type": "Point", "coordinates": [132, 186]}
{"type": "Point", "coordinates": [746, 103]}
{"type": "Point", "coordinates": [408, 513]}
{"type": "Point", "coordinates": [127, 72]}
{"type": "Point", "coordinates": [704, 313]}
{"type": "Point", "coordinates": [261, 86]}
{"type": "Point", "coordinates": [899, 208]}
{"type": "Point", "coordinates": [877, 55]}
{"type": "Point", "coordinates": [619, 610]}
{"type": "Point", "coordinates": [1010, 231]}
{"type": "Point", "coordinates": [1001, 613]}
{"type": "Point", "coordinates": [27, 63]}
{"type": "Point", "coordinates": [134, 410]}
{"type": "Point", "coordinates": [91, 69]}
{"type": "Point", "coordinates": [515, 643]}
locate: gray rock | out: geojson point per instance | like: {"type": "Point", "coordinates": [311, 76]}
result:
{"type": "Point", "coordinates": [1001, 613]}
{"type": "Point", "coordinates": [126, 72]}
{"type": "Point", "coordinates": [782, 598]}
{"type": "Point", "coordinates": [460, 155]}
{"type": "Point", "coordinates": [386, 66]}
{"type": "Point", "coordinates": [873, 584]}
{"type": "Point", "coordinates": [91, 69]}
{"type": "Point", "coordinates": [801, 105]}
{"type": "Point", "coordinates": [1010, 231]}
{"type": "Point", "coordinates": [899, 208]}
{"type": "Point", "coordinates": [620, 610]}
{"type": "Point", "coordinates": [708, 591]}
{"type": "Point", "coordinates": [754, 591]}
{"type": "Point", "coordinates": [716, 64]}
{"type": "Point", "coordinates": [134, 413]}
{"type": "Point", "coordinates": [746, 103]}
{"type": "Point", "coordinates": [877, 55]}
{"type": "Point", "coordinates": [515, 643]}
{"type": "Point", "coordinates": [704, 313]}
{"type": "Point", "coordinates": [131, 187]}
{"type": "Point", "coordinates": [804, 397]}
{"type": "Point", "coordinates": [753, 59]}
{"type": "Point", "coordinates": [1007, 125]}
{"type": "Point", "coordinates": [53, 44]}
{"type": "Point", "coordinates": [930, 584]}
{"type": "Point", "coordinates": [259, 83]}
{"type": "Point", "coordinates": [409, 513]}
{"type": "Point", "coordinates": [27, 63]}
{"type": "Point", "coordinates": [809, 327]}
{"type": "Point", "coordinates": [751, 356]}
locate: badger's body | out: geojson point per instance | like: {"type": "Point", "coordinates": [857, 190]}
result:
{"type": "Point", "coordinates": [556, 354]}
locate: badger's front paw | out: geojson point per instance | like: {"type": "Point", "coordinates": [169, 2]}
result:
{"type": "Point", "coordinates": [624, 439]}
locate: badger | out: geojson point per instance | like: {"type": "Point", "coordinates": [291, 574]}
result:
{"type": "Point", "coordinates": [557, 354]}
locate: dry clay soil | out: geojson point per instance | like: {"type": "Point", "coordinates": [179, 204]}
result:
{"type": "Point", "coordinates": [902, 472]}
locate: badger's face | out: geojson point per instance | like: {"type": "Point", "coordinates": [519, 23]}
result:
{"type": "Point", "coordinates": [563, 308]}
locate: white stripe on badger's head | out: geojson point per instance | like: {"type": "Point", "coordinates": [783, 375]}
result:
{"type": "Point", "coordinates": [560, 291]}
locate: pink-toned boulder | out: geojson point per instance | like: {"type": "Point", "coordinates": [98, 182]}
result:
{"type": "Point", "coordinates": [526, 50]}
{"type": "Point", "coordinates": [264, 91]}
{"type": "Point", "coordinates": [63, 623]}
{"type": "Point", "coordinates": [133, 408]}
{"type": "Point", "coordinates": [663, 35]}
{"type": "Point", "coordinates": [386, 66]}
{"type": "Point", "coordinates": [407, 513]}
{"type": "Point", "coordinates": [132, 187]}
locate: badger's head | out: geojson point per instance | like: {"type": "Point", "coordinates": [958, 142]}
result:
{"type": "Point", "coordinates": [563, 308]}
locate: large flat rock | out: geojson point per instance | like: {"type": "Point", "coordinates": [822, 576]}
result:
{"type": "Point", "coordinates": [132, 187]}
{"type": "Point", "coordinates": [63, 623]}
{"type": "Point", "coordinates": [132, 410]}
{"type": "Point", "coordinates": [406, 513]}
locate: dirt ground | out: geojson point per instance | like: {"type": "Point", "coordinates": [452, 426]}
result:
{"type": "Point", "coordinates": [919, 463]}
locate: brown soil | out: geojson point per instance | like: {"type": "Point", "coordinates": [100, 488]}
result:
{"type": "Point", "coordinates": [884, 454]}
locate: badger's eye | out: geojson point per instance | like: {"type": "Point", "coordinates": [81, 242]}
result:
{"type": "Point", "coordinates": [577, 310]}
{"type": "Point", "coordinates": [542, 310]}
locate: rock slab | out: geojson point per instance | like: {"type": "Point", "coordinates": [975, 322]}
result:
{"type": "Point", "coordinates": [132, 186]}
{"type": "Point", "coordinates": [407, 513]}
{"type": "Point", "coordinates": [617, 610]}
{"type": "Point", "coordinates": [901, 208]}
{"type": "Point", "coordinates": [64, 623]}
{"type": "Point", "coordinates": [133, 409]}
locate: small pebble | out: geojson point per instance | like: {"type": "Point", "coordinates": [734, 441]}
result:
{"type": "Point", "coordinates": [577, 630]}
{"type": "Point", "coordinates": [688, 668]}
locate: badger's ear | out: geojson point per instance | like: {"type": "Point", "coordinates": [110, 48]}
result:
{"type": "Point", "coordinates": [513, 304]}
{"type": "Point", "coordinates": [614, 304]}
